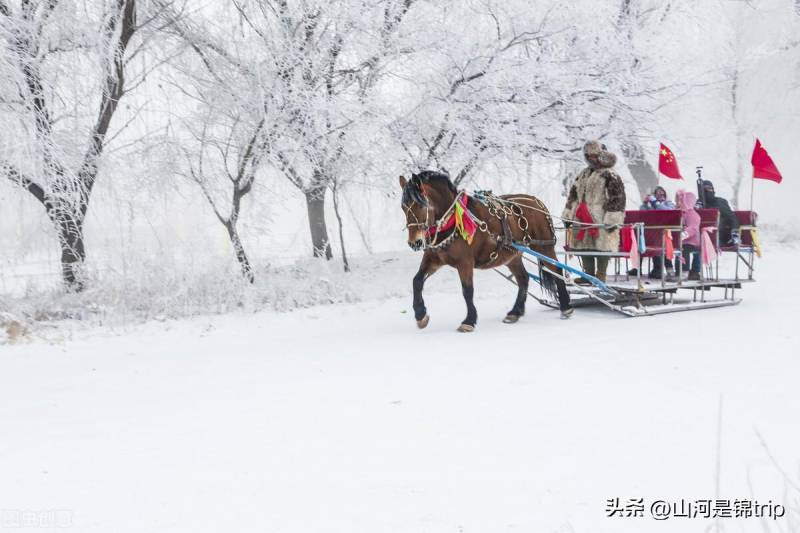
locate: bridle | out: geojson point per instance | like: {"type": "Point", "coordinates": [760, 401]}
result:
{"type": "Point", "coordinates": [416, 222]}
{"type": "Point", "coordinates": [430, 241]}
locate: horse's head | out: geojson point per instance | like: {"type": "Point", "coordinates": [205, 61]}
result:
{"type": "Point", "coordinates": [425, 198]}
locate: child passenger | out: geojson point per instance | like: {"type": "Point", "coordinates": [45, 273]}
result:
{"type": "Point", "coordinates": [690, 234]}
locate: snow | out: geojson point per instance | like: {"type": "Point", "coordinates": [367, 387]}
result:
{"type": "Point", "coordinates": [345, 417]}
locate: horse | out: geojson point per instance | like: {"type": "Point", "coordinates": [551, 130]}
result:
{"type": "Point", "coordinates": [460, 231]}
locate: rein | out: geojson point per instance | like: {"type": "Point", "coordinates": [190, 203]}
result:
{"type": "Point", "coordinates": [446, 221]}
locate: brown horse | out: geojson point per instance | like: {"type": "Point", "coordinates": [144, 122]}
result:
{"type": "Point", "coordinates": [429, 202]}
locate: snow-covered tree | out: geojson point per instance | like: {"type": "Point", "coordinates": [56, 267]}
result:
{"type": "Point", "coordinates": [511, 80]}
{"type": "Point", "coordinates": [306, 68]}
{"type": "Point", "coordinates": [63, 76]}
{"type": "Point", "coordinates": [223, 129]}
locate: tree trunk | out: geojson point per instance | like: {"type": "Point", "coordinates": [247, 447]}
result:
{"type": "Point", "coordinates": [335, 192]}
{"type": "Point", "coordinates": [73, 251]}
{"type": "Point", "coordinates": [741, 185]}
{"type": "Point", "coordinates": [737, 185]}
{"type": "Point", "coordinates": [315, 202]}
{"type": "Point", "coordinates": [643, 173]}
{"type": "Point", "coordinates": [241, 256]}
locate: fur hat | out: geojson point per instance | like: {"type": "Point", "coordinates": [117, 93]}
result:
{"type": "Point", "coordinates": [604, 158]}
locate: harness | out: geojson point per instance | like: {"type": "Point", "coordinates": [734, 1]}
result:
{"type": "Point", "coordinates": [503, 208]}
{"type": "Point", "coordinates": [458, 220]}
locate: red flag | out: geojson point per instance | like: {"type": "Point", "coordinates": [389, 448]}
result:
{"type": "Point", "coordinates": [667, 164]}
{"type": "Point", "coordinates": [763, 167]}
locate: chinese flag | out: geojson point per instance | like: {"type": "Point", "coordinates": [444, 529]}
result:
{"type": "Point", "coordinates": [667, 164]}
{"type": "Point", "coordinates": [763, 167]}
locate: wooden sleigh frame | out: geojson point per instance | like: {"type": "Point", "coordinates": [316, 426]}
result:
{"type": "Point", "coordinates": [637, 296]}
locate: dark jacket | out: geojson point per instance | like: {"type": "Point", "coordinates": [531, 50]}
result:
{"type": "Point", "coordinates": [727, 218]}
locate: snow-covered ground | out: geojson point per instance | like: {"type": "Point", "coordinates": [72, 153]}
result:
{"type": "Point", "coordinates": [346, 418]}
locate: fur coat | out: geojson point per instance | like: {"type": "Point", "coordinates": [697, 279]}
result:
{"type": "Point", "coordinates": [604, 193]}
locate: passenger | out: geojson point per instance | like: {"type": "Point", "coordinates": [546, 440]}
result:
{"type": "Point", "coordinates": [657, 200]}
{"type": "Point", "coordinates": [728, 223]}
{"type": "Point", "coordinates": [690, 235]}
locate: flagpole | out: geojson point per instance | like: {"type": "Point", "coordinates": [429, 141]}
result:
{"type": "Point", "coordinates": [700, 194]}
{"type": "Point", "coordinates": [752, 186]}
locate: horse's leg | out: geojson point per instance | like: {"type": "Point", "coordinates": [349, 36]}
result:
{"type": "Point", "coordinates": [563, 298]}
{"type": "Point", "coordinates": [430, 264]}
{"type": "Point", "coordinates": [561, 288]}
{"type": "Point", "coordinates": [465, 271]}
{"type": "Point", "coordinates": [517, 269]}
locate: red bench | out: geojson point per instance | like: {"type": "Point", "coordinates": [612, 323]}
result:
{"type": "Point", "coordinates": [747, 225]}
{"type": "Point", "coordinates": [655, 222]}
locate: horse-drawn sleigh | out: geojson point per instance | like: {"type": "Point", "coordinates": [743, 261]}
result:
{"type": "Point", "coordinates": [486, 231]}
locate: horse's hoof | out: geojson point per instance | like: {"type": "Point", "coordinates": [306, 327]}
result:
{"type": "Point", "coordinates": [466, 328]}
{"type": "Point", "coordinates": [511, 319]}
{"type": "Point", "coordinates": [421, 323]}
{"type": "Point", "coordinates": [567, 313]}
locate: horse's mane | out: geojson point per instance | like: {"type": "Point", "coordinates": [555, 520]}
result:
{"type": "Point", "coordinates": [412, 192]}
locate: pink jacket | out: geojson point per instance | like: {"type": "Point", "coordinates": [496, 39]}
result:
{"type": "Point", "coordinates": [691, 218]}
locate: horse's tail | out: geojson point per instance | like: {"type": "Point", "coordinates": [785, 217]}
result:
{"type": "Point", "coordinates": [553, 285]}
{"type": "Point", "coordinates": [548, 283]}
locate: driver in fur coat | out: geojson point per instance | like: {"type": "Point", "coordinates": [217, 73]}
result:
{"type": "Point", "coordinates": [597, 196]}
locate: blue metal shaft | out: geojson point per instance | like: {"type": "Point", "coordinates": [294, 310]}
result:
{"type": "Point", "coordinates": [591, 279]}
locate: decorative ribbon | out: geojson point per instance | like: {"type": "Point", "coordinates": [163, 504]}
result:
{"type": "Point", "coordinates": [642, 243]}
{"type": "Point", "coordinates": [626, 239]}
{"type": "Point", "coordinates": [630, 245]}
{"type": "Point", "coordinates": [709, 250]}
{"type": "Point", "coordinates": [461, 218]}
{"type": "Point", "coordinates": [465, 223]}
{"type": "Point", "coordinates": [756, 244]}
{"type": "Point", "coordinates": [583, 215]}
{"type": "Point", "coordinates": [636, 259]}
{"type": "Point", "coordinates": [669, 248]}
